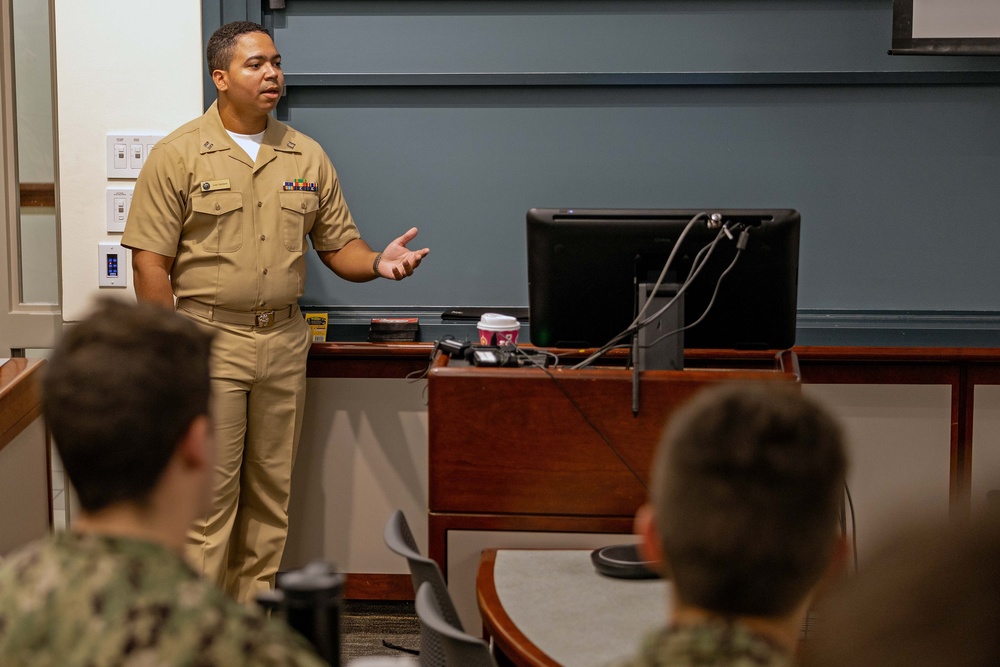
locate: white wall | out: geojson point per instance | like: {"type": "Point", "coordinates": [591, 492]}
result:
{"type": "Point", "coordinates": [986, 450]}
{"type": "Point", "coordinates": [130, 66]}
{"type": "Point", "coordinates": [899, 447]}
{"type": "Point", "coordinates": [362, 456]}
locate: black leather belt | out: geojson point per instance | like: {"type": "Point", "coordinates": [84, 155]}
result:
{"type": "Point", "coordinates": [257, 318]}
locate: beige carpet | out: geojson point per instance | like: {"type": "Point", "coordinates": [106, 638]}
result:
{"type": "Point", "coordinates": [365, 625]}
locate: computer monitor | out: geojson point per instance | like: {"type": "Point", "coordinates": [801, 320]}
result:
{"type": "Point", "coordinates": [585, 265]}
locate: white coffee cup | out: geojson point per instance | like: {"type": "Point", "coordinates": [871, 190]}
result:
{"type": "Point", "coordinates": [496, 329]}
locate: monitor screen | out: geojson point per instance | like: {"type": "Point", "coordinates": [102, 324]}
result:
{"type": "Point", "coordinates": [584, 266]}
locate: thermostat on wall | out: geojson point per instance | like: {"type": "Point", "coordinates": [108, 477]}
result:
{"type": "Point", "coordinates": [112, 265]}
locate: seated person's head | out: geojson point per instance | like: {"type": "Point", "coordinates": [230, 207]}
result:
{"type": "Point", "coordinates": [929, 597]}
{"type": "Point", "coordinates": [745, 500]}
{"type": "Point", "coordinates": [121, 391]}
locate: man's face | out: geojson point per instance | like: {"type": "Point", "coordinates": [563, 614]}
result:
{"type": "Point", "coordinates": [254, 81]}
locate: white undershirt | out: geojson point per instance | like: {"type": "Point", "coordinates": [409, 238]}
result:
{"type": "Point", "coordinates": [248, 142]}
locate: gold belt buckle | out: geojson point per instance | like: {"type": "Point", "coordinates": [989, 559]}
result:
{"type": "Point", "coordinates": [265, 319]}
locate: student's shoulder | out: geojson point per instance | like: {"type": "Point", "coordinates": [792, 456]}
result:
{"type": "Point", "coordinates": [233, 633]}
{"type": "Point", "coordinates": [26, 561]}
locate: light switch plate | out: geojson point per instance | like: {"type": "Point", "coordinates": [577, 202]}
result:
{"type": "Point", "coordinates": [119, 199]}
{"type": "Point", "coordinates": [126, 153]}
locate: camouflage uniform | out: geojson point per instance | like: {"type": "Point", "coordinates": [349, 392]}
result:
{"type": "Point", "coordinates": [91, 601]}
{"type": "Point", "coordinates": [718, 644]}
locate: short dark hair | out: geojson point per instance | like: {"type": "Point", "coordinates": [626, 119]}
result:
{"type": "Point", "coordinates": [746, 495]}
{"type": "Point", "coordinates": [121, 390]}
{"type": "Point", "coordinates": [222, 43]}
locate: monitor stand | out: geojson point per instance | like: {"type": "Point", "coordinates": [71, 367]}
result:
{"type": "Point", "coordinates": [668, 354]}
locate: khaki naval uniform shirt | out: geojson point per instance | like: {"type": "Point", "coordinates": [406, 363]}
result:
{"type": "Point", "coordinates": [236, 235]}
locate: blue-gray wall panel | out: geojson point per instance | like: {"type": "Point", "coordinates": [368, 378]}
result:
{"type": "Point", "coordinates": [594, 36]}
{"type": "Point", "coordinates": [896, 185]}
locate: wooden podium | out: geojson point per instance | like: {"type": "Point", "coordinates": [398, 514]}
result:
{"type": "Point", "coordinates": [529, 449]}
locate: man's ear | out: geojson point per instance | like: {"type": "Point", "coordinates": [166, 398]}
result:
{"type": "Point", "coordinates": [650, 546]}
{"type": "Point", "coordinates": [837, 567]}
{"type": "Point", "coordinates": [220, 79]}
{"type": "Point", "coordinates": [193, 450]}
{"type": "Point", "coordinates": [839, 559]}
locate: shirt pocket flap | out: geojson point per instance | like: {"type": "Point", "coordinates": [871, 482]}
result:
{"type": "Point", "coordinates": [218, 203]}
{"type": "Point", "coordinates": [300, 202]}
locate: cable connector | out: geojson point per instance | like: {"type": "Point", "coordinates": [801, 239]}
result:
{"type": "Point", "coordinates": [744, 239]}
{"type": "Point", "coordinates": [453, 348]}
{"type": "Point", "coordinates": [492, 356]}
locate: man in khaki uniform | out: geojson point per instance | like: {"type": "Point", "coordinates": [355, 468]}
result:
{"type": "Point", "coordinates": [218, 220]}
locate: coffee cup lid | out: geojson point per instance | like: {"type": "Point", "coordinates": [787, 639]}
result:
{"type": "Point", "coordinates": [498, 322]}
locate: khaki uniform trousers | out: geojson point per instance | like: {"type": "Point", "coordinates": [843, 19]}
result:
{"type": "Point", "coordinates": [258, 395]}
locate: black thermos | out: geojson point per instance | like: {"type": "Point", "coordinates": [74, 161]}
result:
{"type": "Point", "coordinates": [310, 599]}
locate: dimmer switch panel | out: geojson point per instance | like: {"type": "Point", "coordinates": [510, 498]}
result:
{"type": "Point", "coordinates": [127, 153]}
{"type": "Point", "coordinates": [119, 198]}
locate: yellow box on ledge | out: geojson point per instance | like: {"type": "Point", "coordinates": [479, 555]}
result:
{"type": "Point", "coordinates": [318, 323]}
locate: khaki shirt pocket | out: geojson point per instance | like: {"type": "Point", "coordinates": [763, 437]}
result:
{"type": "Point", "coordinates": [220, 214]}
{"type": "Point", "coordinates": [298, 212]}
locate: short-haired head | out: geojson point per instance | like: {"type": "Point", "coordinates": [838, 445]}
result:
{"type": "Point", "coordinates": [746, 495]}
{"type": "Point", "coordinates": [120, 392]}
{"type": "Point", "coordinates": [222, 43]}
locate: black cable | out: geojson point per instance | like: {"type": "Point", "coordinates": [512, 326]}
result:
{"type": "Point", "coordinates": [699, 261]}
{"type": "Point", "coordinates": [663, 273]}
{"type": "Point", "coordinates": [420, 374]}
{"type": "Point", "coordinates": [634, 354]}
{"type": "Point", "coordinates": [697, 265]}
{"type": "Point", "coordinates": [583, 414]}
{"type": "Point", "coordinates": [546, 353]}
{"type": "Point", "coordinates": [670, 260]}
{"type": "Point", "coordinates": [397, 647]}
{"type": "Point", "coordinates": [637, 323]}
{"type": "Point", "coordinates": [414, 376]}
{"type": "Point", "coordinates": [711, 302]}
{"type": "Point", "coordinates": [854, 527]}
{"type": "Point", "coordinates": [604, 349]}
